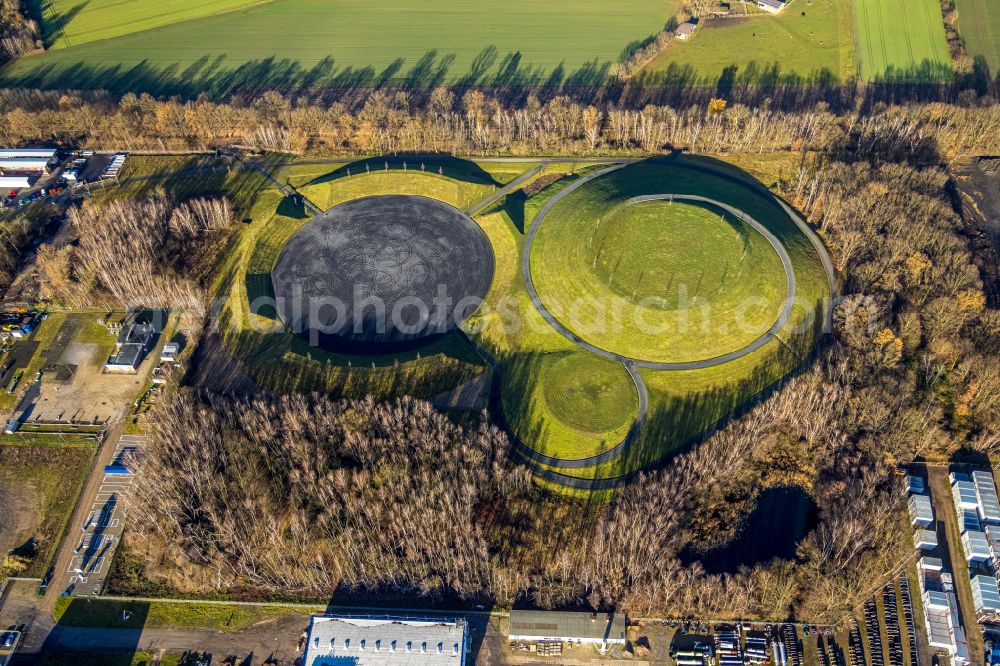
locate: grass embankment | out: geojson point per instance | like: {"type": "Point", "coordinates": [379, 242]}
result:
{"type": "Point", "coordinates": [810, 40]}
{"type": "Point", "coordinates": [105, 658]}
{"type": "Point", "coordinates": [192, 46]}
{"type": "Point", "coordinates": [116, 613]}
{"type": "Point", "coordinates": [49, 478]}
{"type": "Point", "coordinates": [683, 404]}
{"type": "Point", "coordinates": [658, 281]}
{"type": "Point", "coordinates": [281, 361]}
{"type": "Point", "coordinates": [902, 40]}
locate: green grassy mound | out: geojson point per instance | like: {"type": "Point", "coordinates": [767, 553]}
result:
{"type": "Point", "coordinates": [656, 280]}
{"type": "Point", "coordinates": [278, 360]}
{"type": "Point", "coordinates": [569, 404]}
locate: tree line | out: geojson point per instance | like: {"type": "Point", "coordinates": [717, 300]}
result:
{"type": "Point", "coordinates": [478, 123]}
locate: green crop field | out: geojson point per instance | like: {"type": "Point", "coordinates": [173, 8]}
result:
{"type": "Point", "coordinates": [809, 40]}
{"type": "Point", "coordinates": [979, 26]}
{"type": "Point", "coordinates": [902, 41]}
{"type": "Point", "coordinates": [186, 46]}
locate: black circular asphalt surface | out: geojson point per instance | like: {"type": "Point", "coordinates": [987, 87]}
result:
{"type": "Point", "coordinates": [382, 274]}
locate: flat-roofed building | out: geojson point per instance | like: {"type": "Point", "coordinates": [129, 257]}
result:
{"type": "Point", "coordinates": [567, 627]}
{"type": "Point", "coordinates": [986, 489]}
{"type": "Point", "coordinates": [925, 539]}
{"type": "Point", "coordinates": [41, 153]}
{"type": "Point", "coordinates": [965, 496]}
{"type": "Point", "coordinates": [24, 164]}
{"type": "Point", "coordinates": [985, 596]}
{"type": "Point", "coordinates": [930, 564]}
{"type": "Point", "coordinates": [334, 640]}
{"type": "Point", "coordinates": [976, 547]}
{"type": "Point", "coordinates": [968, 521]}
{"type": "Point", "coordinates": [941, 618]}
{"type": "Point", "coordinates": [921, 511]}
{"type": "Point", "coordinates": [914, 484]}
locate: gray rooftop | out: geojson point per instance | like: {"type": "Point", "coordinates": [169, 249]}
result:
{"type": "Point", "coordinates": [539, 625]}
{"type": "Point", "coordinates": [989, 504]}
{"type": "Point", "coordinates": [358, 641]}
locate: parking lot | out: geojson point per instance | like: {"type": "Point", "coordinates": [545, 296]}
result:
{"type": "Point", "coordinates": [100, 534]}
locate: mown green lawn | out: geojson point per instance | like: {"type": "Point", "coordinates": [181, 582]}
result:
{"type": "Point", "coordinates": [810, 40]}
{"type": "Point", "coordinates": [105, 658]}
{"type": "Point", "coordinates": [569, 404]}
{"type": "Point", "coordinates": [193, 46]}
{"type": "Point", "coordinates": [656, 281]}
{"type": "Point", "coordinates": [74, 612]}
{"type": "Point", "coordinates": [902, 40]}
{"type": "Point", "coordinates": [979, 26]}
{"type": "Point", "coordinates": [684, 403]}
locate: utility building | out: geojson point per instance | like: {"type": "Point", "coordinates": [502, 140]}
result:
{"type": "Point", "coordinates": [921, 511]}
{"type": "Point", "coordinates": [567, 627]}
{"type": "Point", "coordinates": [985, 597]}
{"type": "Point", "coordinates": [986, 491]}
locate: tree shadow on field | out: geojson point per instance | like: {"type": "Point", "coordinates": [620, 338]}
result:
{"type": "Point", "coordinates": [440, 164]}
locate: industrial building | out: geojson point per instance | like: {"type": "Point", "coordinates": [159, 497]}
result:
{"type": "Point", "coordinates": [333, 640]}
{"type": "Point", "coordinates": [921, 511]}
{"type": "Point", "coordinates": [601, 629]}
{"type": "Point", "coordinates": [18, 165]}
{"type": "Point", "coordinates": [986, 491]}
{"type": "Point", "coordinates": [136, 336]}
{"type": "Point", "coordinates": [986, 597]}
{"type": "Point", "coordinates": [925, 539]}
{"type": "Point", "coordinates": [944, 628]}
{"type": "Point", "coordinates": [27, 153]}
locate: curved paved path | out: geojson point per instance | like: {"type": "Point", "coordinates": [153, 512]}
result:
{"type": "Point", "coordinates": [533, 457]}
{"type": "Point", "coordinates": [757, 343]}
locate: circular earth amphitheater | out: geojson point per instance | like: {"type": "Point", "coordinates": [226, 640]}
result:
{"type": "Point", "coordinates": [608, 317]}
{"type": "Point", "coordinates": [382, 273]}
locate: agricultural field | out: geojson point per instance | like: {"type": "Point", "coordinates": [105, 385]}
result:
{"type": "Point", "coordinates": [902, 41]}
{"type": "Point", "coordinates": [584, 408]}
{"type": "Point", "coordinates": [214, 46]}
{"type": "Point", "coordinates": [811, 40]}
{"type": "Point", "coordinates": [979, 26]}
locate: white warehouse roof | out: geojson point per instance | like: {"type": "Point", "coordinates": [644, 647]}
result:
{"type": "Point", "coordinates": [363, 641]}
{"type": "Point", "coordinates": [47, 153]}
{"type": "Point", "coordinates": [989, 504]}
{"type": "Point", "coordinates": [24, 163]}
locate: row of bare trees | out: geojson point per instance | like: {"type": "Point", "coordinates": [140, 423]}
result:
{"type": "Point", "coordinates": [149, 251]}
{"type": "Point", "coordinates": [19, 33]}
{"type": "Point", "coordinates": [477, 123]}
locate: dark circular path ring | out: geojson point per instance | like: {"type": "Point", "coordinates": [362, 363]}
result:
{"type": "Point", "coordinates": [382, 274]}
